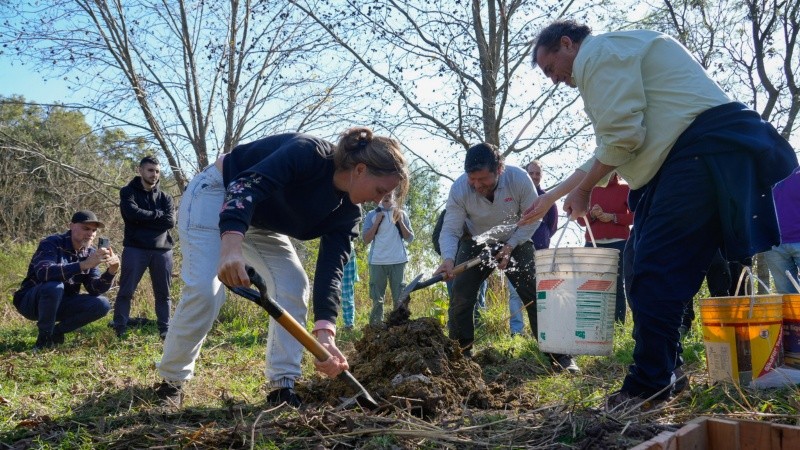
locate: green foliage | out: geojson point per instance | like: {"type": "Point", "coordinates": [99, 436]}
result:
{"type": "Point", "coordinates": [51, 164]}
{"type": "Point", "coordinates": [79, 439]}
{"type": "Point", "coordinates": [422, 206]}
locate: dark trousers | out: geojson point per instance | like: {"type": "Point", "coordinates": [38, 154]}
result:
{"type": "Point", "coordinates": [133, 264]}
{"type": "Point", "coordinates": [461, 323]}
{"type": "Point", "coordinates": [675, 235]}
{"type": "Point", "coordinates": [47, 304]}
{"type": "Point", "coordinates": [620, 307]}
{"type": "Point", "coordinates": [719, 276]}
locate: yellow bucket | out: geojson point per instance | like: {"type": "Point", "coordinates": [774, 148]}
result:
{"type": "Point", "coordinates": [743, 336]}
{"type": "Point", "coordinates": [791, 330]}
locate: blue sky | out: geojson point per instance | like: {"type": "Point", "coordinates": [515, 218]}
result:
{"type": "Point", "coordinates": [16, 79]}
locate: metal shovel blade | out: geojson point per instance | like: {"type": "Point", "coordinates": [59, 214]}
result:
{"type": "Point", "coordinates": [262, 299]}
{"type": "Point", "coordinates": [405, 295]}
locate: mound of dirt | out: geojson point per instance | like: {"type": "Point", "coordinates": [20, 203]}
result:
{"type": "Point", "coordinates": [411, 365]}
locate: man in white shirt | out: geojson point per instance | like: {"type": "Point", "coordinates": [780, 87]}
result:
{"type": "Point", "coordinates": [700, 168]}
{"type": "Point", "coordinates": [487, 195]}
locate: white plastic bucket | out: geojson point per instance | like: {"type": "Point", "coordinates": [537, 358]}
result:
{"type": "Point", "coordinates": [575, 298]}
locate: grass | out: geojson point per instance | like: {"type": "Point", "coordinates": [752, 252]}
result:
{"type": "Point", "coordinates": [96, 390]}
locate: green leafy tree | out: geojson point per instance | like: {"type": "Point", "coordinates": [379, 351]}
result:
{"type": "Point", "coordinates": [51, 164]}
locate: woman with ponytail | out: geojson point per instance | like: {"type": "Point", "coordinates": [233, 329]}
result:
{"type": "Point", "coordinates": [242, 210]}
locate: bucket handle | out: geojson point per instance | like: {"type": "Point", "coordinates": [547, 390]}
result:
{"type": "Point", "coordinates": [589, 229]}
{"type": "Point", "coordinates": [792, 280]}
{"type": "Point", "coordinates": [751, 278]}
{"type": "Point", "coordinates": [563, 230]}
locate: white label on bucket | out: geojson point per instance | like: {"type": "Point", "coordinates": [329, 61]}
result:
{"type": "Point", "coordinates": [720, 362]}
{"type": "Point", "coordinates": [591, 317]}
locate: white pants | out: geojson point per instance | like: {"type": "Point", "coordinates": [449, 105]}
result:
{"type": "Point", "coordinates": [271, 254]}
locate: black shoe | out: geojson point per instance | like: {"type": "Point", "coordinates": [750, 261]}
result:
{"type": "Point", "coordinates": [565, 362]}
{"type": "Point", "coordinates": [284, 395]}
{"type": "Point", "coordinates": [58, 338]}
{"type": "Point", "coordinates": [48, 340]}
{"type": "Point", "coordinates": [681, 381]}
{"type": "Point", "coordinates": [169, 395]}
{"type": "Point", "coordinates": [162, 335]}
{"type": "Point", "coordinates": [121, 332]}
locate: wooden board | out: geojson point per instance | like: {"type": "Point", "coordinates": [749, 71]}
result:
{"type": "Point", "coordinates": [709, 433]}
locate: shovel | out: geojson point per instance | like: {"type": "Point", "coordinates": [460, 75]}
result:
{"type": "Point", "coordinates": [262, 299]}
{"type": "Point", "coordinates": [416, 284]}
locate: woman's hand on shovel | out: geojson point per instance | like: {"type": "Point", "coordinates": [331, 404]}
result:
{"type": "Point", "coordinates": [232, 270]}
{"type": "Point", "coordinates": [337, 363]}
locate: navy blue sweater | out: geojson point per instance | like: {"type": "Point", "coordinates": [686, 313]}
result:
{"type": "Point", "coordinates": [284, 183]}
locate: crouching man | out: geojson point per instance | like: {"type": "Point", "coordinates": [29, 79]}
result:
{"type": "Point", "coordinates": [50, 293]}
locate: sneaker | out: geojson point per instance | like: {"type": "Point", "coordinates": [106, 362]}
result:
{"type": "Point", "coordinates": [169, 395]}
{"type": "Point", "coordinates": [284, 395]}
{"type": "Point", "coordinates": [121, 332]}
{"type": "Point", "coordinates": [162, 335]}
{"type": "Point", "coordinates": [565, 362]}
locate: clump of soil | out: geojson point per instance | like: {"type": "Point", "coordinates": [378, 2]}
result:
{"type": "Point", "coordinates": [411, 365]}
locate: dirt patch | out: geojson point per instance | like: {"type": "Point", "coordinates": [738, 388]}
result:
{"type": "Point", "coordinates": [411, 365]}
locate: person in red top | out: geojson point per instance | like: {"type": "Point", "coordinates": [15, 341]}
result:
{"type": "Point", "coordinates": [610, 220]}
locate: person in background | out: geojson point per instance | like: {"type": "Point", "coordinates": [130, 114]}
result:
{"type": "Point", "coordinates": [480, 305]}
{"type": "Point", "coordinates": [349, 279]}
{"type": "Point", "coordinates": [487, 195]}
{"type": "Point", "coordinates": [242, 210]}
{"type": "Point", "coordinates": [148, 213]}
{"type": "Point", "coordinates": [387, 228]}
{"type": "Point", "coordinates": [611, 222]}
{"type": "Point", "coordinates": [541, 240]}
{"type": "Point", "coordinates": [50, 293]}
{"type": "Point", "coordinates": [700, 167]}
{"type": "Point", "coordinates": [786, 256]}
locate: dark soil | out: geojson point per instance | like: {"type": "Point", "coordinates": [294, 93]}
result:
{"type": "Point", "coordinates": [410, 365]}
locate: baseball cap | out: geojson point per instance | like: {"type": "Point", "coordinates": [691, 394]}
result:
{"type": "Point", "coordinates": [86, 217]}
